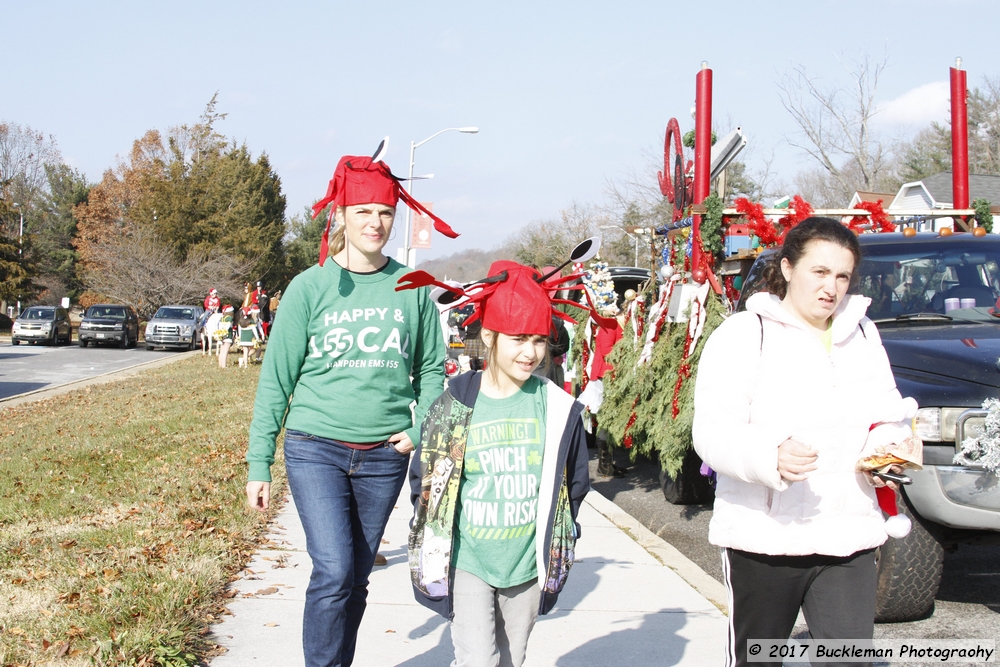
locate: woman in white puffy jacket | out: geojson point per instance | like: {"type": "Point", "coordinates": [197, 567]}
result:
{"type": "Point", "coordinates": [789, 395]}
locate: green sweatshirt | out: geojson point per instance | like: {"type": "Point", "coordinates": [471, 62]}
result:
{"type": "Point", "coordinates": [344, 351]}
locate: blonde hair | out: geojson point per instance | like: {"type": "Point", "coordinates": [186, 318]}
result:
{"type": "Point", "coordinates": [337, 240]}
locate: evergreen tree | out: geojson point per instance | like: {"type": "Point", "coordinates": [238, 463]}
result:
{"type": "Point", "coordinates": [302, 242]}
{"type": "Point", "coordinates": [52, 227]}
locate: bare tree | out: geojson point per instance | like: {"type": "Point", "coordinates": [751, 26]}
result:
{"type": "Point", "coordinates": [24, 153]}
{"type": "Point", "coordinates": [835, 127]}
{"type": "Point", "coordinates": [138, 269]}
{"type": "Point", "coordinates": [549, 242]}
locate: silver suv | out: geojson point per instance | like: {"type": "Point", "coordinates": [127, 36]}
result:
{"type": "Point", "coordinates": [174, 326]}
{"type": "Point", "coordinates": [42, 324]}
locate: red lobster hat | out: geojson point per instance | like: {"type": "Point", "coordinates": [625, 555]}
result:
{"type": "Point", "coordinates": [513, 299]}
{"type": "Point", "coordinates": [368, 180]}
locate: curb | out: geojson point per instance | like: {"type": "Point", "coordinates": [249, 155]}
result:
{"type": "Point", "coordinates": [662, 551]}
{"type": "Point", "coordinates": [110, 376]}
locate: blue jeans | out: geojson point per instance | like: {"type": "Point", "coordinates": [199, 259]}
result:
{"type": "Point", "coordinates": [344, 497]}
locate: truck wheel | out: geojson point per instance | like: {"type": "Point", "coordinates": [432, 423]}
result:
{"type": "Point", "coordinates": [14, 341]}
{"type": "Point", "coordinates": [689, 487]}
{"type": "Point", "coordinates": [149, 346]}
{"type": "Point", "coordinates": [83, 343]}
{"type": "Point", "coordinates": [909, 571]}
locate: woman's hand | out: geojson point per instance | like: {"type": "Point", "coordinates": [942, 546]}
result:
{"type": "Point", "coordinates": [795, 461]}
{"type": "Point", "coordinates": [259, 495]}
{"type": "Point", "coordinates": [401, 442]}
{"type": "Point", "coordinates": [878, 481]}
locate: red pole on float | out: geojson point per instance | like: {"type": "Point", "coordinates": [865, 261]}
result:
{"type": "Point", "coordinates": [959, 137]}
{"type": "Point", "coordinates": [700, 262]}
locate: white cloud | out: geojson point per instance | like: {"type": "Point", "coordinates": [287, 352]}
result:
{"type": "Point", "coordinates": [918, 107]}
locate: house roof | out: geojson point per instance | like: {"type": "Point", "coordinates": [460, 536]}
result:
{"type": "Point", "coordinates": [981, 186]}
{"type": "Point", "coordinates": [886, 197]}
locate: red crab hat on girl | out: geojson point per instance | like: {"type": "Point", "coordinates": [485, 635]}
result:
{"type": "Point", "coordinates": [368, 180]}
{"type": "Point", "coordinates": [518, 305]}
{"type": "Point", "coordinates": [513, 299]}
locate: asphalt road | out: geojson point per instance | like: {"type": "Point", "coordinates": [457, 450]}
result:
{"type": "Point", "coordinates": [25, 368]}
{"type": "Point", "coordinates": [967, 604]}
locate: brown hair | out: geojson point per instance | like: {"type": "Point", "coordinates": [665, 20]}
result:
{"type": "Point", "coordinates": [796, 244]}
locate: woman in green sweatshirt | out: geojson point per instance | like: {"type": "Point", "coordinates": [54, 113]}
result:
{"type": "Point", "coordinates": [344, 363]}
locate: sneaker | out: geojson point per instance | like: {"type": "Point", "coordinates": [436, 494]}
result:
{"type": "Point", "coordinates": [610, 470]}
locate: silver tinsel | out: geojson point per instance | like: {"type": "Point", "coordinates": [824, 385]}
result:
{"type": "Point", "coordinates": [984, 449]}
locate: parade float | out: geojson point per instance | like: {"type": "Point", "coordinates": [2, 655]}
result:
{"type": "Point", "coordinates": [698, 263]}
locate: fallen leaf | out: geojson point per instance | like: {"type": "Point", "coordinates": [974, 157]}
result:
{"type": "Point", "coordinates": [390, 632]}
{"type": "Point", "coordinates": [270, 590]}
{"type": "Point", "coordinates": [270, 625]}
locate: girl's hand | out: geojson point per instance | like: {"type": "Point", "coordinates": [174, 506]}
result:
{"type": "Point", "coordinates": [259, 495]}
{"type": "Point", "coordinates": [401, 442]}
{"type": "Point", "coordinates": [795, 461]}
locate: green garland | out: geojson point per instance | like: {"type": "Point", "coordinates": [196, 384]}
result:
{"type": "Point", "coordinates": [655, 433]}
{"type": "Point", "coordinates": [984, 218]}
{"type": "Point", "coordinates": [711, 225]}
{"type": "Point", "coordinates": [576, 349]}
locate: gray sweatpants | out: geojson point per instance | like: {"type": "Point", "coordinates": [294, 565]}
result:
{"type": "Point", "coordinates": [491, 626]}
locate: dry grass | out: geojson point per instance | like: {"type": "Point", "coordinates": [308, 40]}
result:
{"type": "Point", "coordinates": [122, 519]}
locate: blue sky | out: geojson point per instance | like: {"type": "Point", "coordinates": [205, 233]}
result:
{"type": "Point", "coordinates": [567, 95]}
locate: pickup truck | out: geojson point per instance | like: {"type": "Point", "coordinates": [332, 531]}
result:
{"type": "Point", "coordinates": [948, 359]}
{"type": "Point", "coordinates": [174, 326]}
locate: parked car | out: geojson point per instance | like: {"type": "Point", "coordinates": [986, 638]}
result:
{"type": "Point", "coordinates": [626, 278]}
{"type": "Point", "coordinates": [109, 323]}
{"type": "Point", "coordinates": [947, 359]}
{"type": "Point", "coordinates": [42, 324]}
{"type": "Point", "coordinates": [175, 327]}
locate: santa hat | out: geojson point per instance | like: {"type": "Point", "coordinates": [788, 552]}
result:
{"type": "Point", "coordinates": [367, 180]}
{"type": "Point", "coordinates": [906, 447]}
{"type": "Point", "coordinates": [896, 525]}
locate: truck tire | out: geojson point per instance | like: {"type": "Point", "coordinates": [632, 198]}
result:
{"type": "Point", "coordinates": [909, 571]}
{"type": "Point", "coordinates": [689, 487]}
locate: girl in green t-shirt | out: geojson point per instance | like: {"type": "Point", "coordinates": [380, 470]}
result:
{"type": "Point", "coordinates": [500, 473]}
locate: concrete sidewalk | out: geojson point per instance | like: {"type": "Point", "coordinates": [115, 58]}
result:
{"type": "Point", "coordinates": [624, 604]}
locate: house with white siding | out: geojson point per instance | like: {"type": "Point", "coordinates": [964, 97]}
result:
{"type": "Point", "coordinates": [936, 192]}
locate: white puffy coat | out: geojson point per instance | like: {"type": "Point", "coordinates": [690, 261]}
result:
{"type": "Point", "coordinates": [752, 394]}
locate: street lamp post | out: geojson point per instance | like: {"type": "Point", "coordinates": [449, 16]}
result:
{"type": "Point", "coordinates": [626, 233]}
{"type": "Point", "coordinates": [409, 254]}
{"type": "Point", "coordinates": [20, 246]}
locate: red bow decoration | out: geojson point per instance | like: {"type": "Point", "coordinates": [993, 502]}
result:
{"type": "Point", "coordinates": [771, 234]}
{"type": "Point", "coordinates": [878, 219]}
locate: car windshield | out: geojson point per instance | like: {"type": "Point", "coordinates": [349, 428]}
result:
{"type": "Point", "coordinates": [39, 314]}
{"type": "Point", "coordinates": [960, 281]}
{"type": "Point", "coordinates": [106, 312]}
{"type": "Point", "coordinates": [169, 313]}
